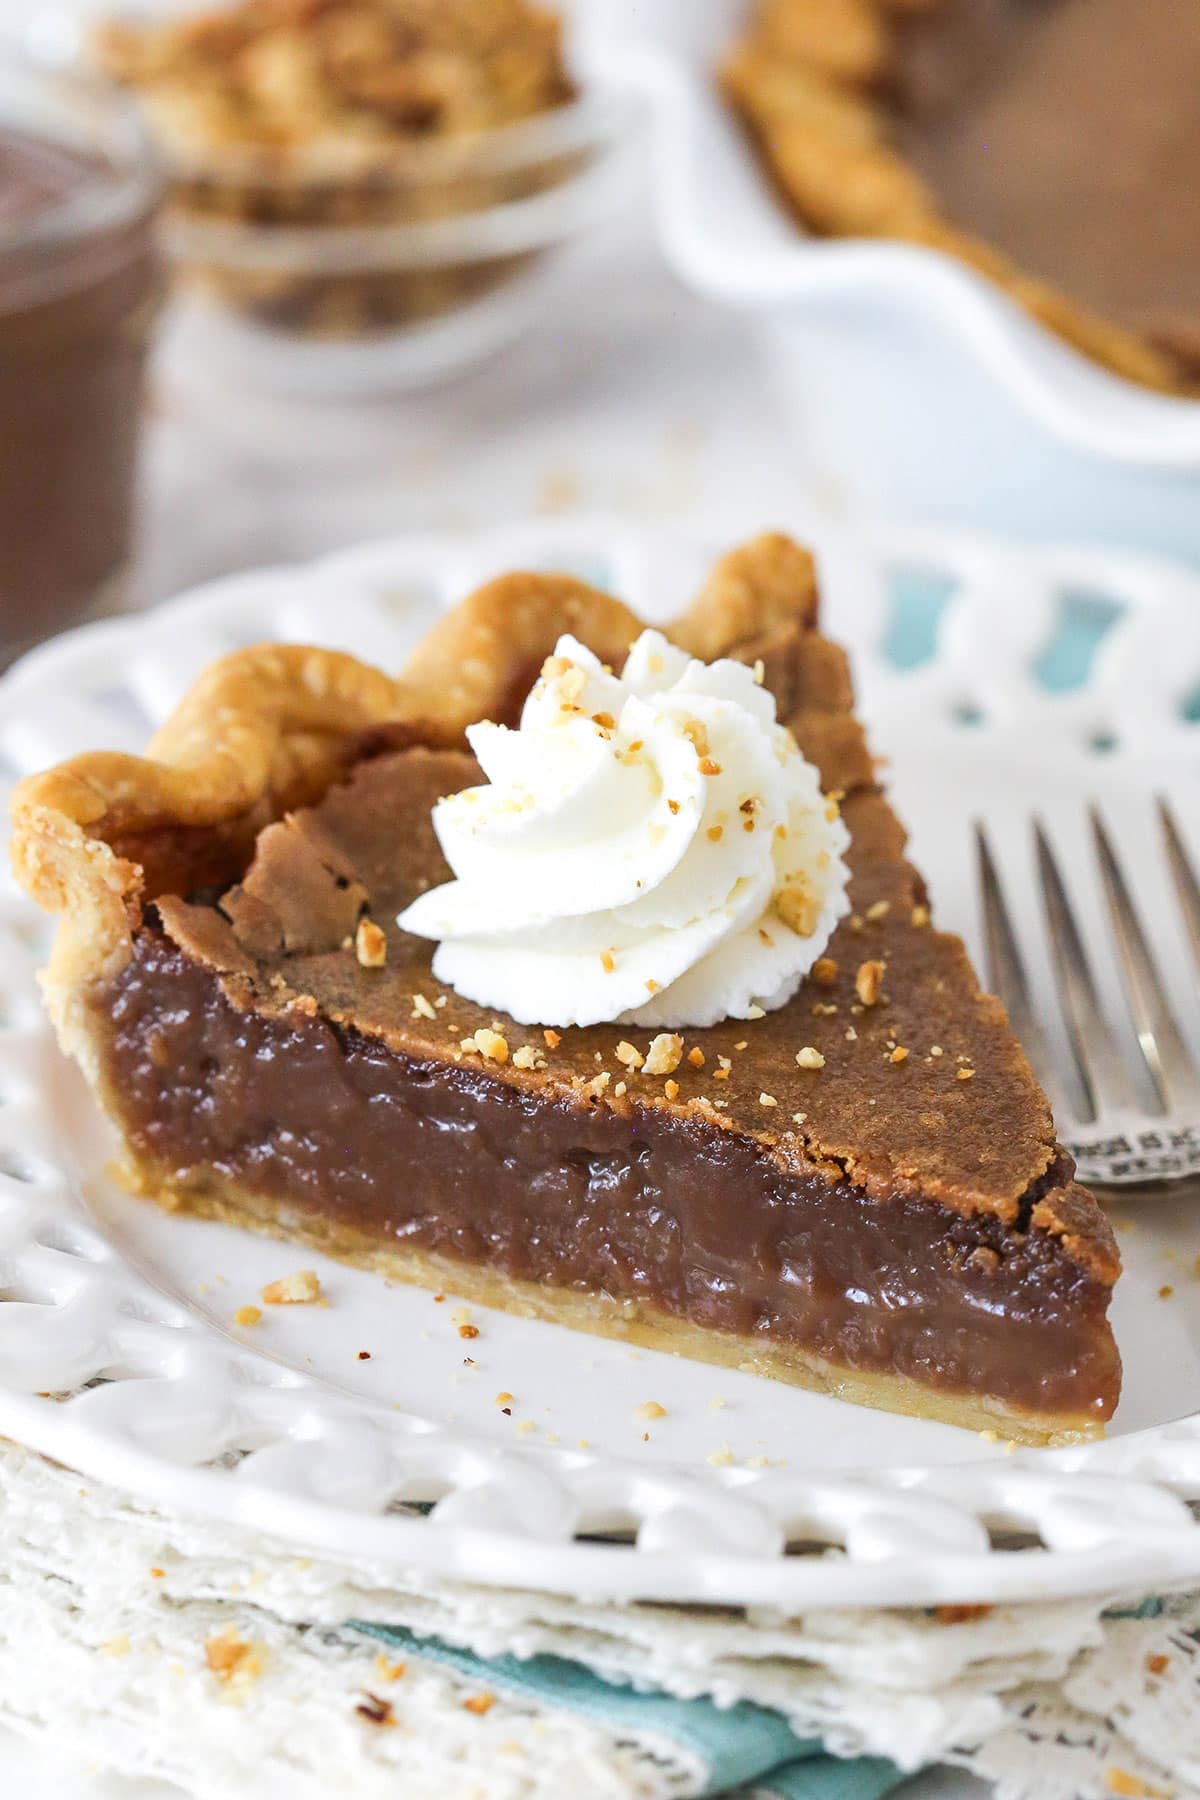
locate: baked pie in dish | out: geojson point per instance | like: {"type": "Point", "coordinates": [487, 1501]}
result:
{"type": "Point", "coordinates": [1049, 144]}
{"type": "Point", "coordinates": [363, 962]}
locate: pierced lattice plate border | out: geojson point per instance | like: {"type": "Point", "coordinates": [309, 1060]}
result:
{"type": "Point", "coordinates": [990, 677]}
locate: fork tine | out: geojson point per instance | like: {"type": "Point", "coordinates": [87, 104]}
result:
{"type": "Point", "coordinates": [1007, 976]}
{"type": "Point", "coordinates": [1103, 1077]}
{"type": "Point", "coordinates": [1168, 1061]}
{"type": "Point", "coordinates": [1186, 885]}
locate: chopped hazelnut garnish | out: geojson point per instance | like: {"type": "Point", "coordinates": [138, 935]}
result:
{"type": "Point", "coordinates": [1165, 1292]}
{"type": "Point", "coordinates": [247, 1315]}
{"type": "Point", "coordinates": [671, 1090]}
{"type": "Point", "coordinates": [528, 1058]}
{"type": "Point", "coordinates": [388, 1671]}
{"type": "Point", "coordinates": [1158, 1663]}
{"type": "Point", "coordinates": [799, 1118]}
{"type": "Point", "coordinates": [715, 833]}
{"type": "Point", "coordinates": [708, 766]}
{"type": "Point", "coordinates": [649, 1409]}
{"type": "Point", "coordinates": [824, 971]}
{"type": "Point", "coordinates": [605, 720]}
{"type": "Point", "coordinates": [919, 917]}
{"type": "Point", "coordinates": [596, 1086]}
{"type": "Point", "coordinates": [468, 1331]}
{"type": "Point", "coordinates": [696, 1057]}
{"type": "Point", "coordinates": [855, 922]}
{"type": "Point", "coordinates": [673, 806]}
{"type": "Point", "coordinates": [422, 1008]}
{"type": "Point", "coordinates": [808, 1058]}
{"type": "Point", "coordinates": [936, 1050]}
{"type": "Point", "coordinates": [695, 731]}
{"type": "Point", "coordinates": [630, 1055]}
{"type": "Point", "coordinates": [798, 906]}
{"type": "Point", "coordinates": [720, 1459]}
{"type": "Point", "coordinates": [665, 1053]}
{"type": "Point", "coordinates": [370, 945]}
{"type": "Point", "coordinates": [622, 1087]}
{"type": "Point", "coordinates": [553, 1038]}
{"type": "Point", "coordinates": [966, 1075]}
{"type": "Point", "coordinates": [767, 1100]}
{"type": "Point", "coordinates": [879, 910]}
{"type": "Point", "coordinates": [489, 1044]}
{"type": "Point", "coordinates": [479, 1704]}
{"type": "Point", "coordinates": [759, 671]}
{"type": "Point", "coordinates": [868, 982]}
{"type": "Point", "coordinates": [752, 1012]}
{"type": "Point", "coordinates": [608, 961]}
{"type": "Point", "coordinates": [503, 1397]}
{"type": "Point", "coordinates": [742, 1044]}
{"type": "Point", "coordinates": [301, 1289]}
{"type": "Point", "coordinates": [652, 987]}
{"type": "Point", "coordinates": [899, 1054]}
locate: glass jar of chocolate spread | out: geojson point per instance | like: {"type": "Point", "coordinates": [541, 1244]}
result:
{"type": "Point", "coordinates": [80, 286]}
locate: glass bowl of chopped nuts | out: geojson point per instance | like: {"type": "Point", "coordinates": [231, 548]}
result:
{"type": "Point", "coordinates": [365, 193]}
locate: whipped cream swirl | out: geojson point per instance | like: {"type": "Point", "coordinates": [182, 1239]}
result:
{"type": "Point", "coordinates": [651, 849]}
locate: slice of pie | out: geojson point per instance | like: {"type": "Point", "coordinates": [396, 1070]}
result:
{"type": "Point", "coordinates": [859, 1191]}
{"type": "Point", "coordinates": [1043, 142]}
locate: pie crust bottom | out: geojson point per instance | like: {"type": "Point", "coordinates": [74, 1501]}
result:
{"type": "Point", "coordinates": [630, 1321]}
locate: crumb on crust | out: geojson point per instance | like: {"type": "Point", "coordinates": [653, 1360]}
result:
{"type": "Point", "coordinates": [665, 1054]}
{"type": "Point", "coordinates": [370, 945]}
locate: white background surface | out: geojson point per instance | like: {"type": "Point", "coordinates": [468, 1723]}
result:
{"type": "Point", "coordinates": [632, 394]}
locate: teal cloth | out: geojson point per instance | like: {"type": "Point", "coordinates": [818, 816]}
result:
{"type": "Point", "coordinates": [738, 1746]}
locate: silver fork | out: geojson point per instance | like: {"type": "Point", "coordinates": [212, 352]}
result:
{"type": "Point", "coordinates": [1127, 1102]}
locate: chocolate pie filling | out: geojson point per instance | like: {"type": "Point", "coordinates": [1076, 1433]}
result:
{"type": "Point", "coordinates": [1067, 132]}
{"type": "Point", "coordinates": [913, 1223]}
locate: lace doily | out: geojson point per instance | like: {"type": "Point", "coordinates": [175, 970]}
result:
{"type": "Point", "coordinates": [107, 1610]}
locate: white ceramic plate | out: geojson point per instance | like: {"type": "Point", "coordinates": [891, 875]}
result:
{"type": "Point", "coordinates": [117, 1349]}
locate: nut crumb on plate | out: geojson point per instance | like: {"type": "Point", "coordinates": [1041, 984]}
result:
{"type": "Point", "coordinates": [301, 1289]}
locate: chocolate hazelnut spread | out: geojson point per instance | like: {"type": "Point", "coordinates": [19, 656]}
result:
{"type": "Point", "coordinates": [79, 288]}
